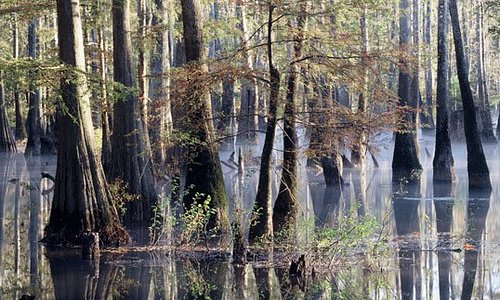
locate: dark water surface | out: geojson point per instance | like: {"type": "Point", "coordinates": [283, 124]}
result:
{"type": "Point", "coordinates": [444, 241]}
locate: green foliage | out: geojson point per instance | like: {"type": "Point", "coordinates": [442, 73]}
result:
{"type": "Point", "coordinates": [120, 195]}
{"type": "Point", "coordinates": [191, 225]}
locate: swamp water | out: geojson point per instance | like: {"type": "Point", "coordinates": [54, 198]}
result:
{"type": "Point", "coordinates": [444, 241]}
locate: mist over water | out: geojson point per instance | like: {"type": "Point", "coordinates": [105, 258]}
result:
{"type": "Point", "coordinates": [444, 239]}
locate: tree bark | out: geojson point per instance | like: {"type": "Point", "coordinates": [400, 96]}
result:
{"type": "Point", "coordinates": [477, 168]}
{"type": "Point", "coordinates": [7, 141]}
{"type": "Point", "coordinates": [131, 160]}
{"type": "Point", "coordinates": [286, 205]}
{"type": "Point", "coordinates": [487, 134]}
{"type": "Point", "coordinates": [358, 154]}
{"type": "Point", "coordinates": [33, 145]}
{"type": "Point", "coordinates": [204, 173]}
{"type": "Point", "coordinates": [105, 106]}
{"type": "Point", "coordinates": [443, 169]}
{"type": "Point", "coordinates": [142, 16]}
{"type": "Point", "coordinates": [82, 201]}
{"type": "Point", "coordinates": [405, 162]}
{"type": "Point", "coordinates": [262, 227]}
{"type": "Point", "coordinates": [427, 115]}
{"type": "Point", "coordinates": [415, 96]}
{"type": "Point", "coordinates": [159, 89]}
{"type": "Point", "coordinates": [227, 120]}
{"type": "Point", "coordinates": [20, 128]}
{"type": "Point", "coordinates": [247, 119]}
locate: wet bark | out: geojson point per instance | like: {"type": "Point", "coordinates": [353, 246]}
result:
{"type": "Point", "coordinates": [405, 162]}
{"type": "Point", "coordinates": [131, 160]}
{"type": "Point", "coordinates": [81, 198]}
{"type": "Point", "coordinates": [286, 205]}
{"type": "Point", "coordinates": [261, 227]}
{"type": "Point", "coordinates": [204, 173]}
{"type": "Point", "coordinates": [477, 168]}
{"type": "Point", "coordinates": [443, 163]}
{"type": "Point", "coordinates": [33, 122]}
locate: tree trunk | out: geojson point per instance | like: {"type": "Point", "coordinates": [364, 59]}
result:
{"type": "Point", "coordinates": [415, 96]}
{"type": "Point", "coordinates": [247, 120]}
{"type": "Point", "coordinates": [33, 145]}
{"type": "Point", "coordinates": [204, 173]}
{"type": "Point", "coordinates": [130, 153]}
{"type": "Point", "coordinates": [82, 201]}
{"type": "Point", "coordinates": [262, 227]}
{"type": "Point", "coordinates": [226, 124]}
{"type": "Point", "coordinates": [427, 116]}
{"type": "Point", "coordinates": [405, 162]}
{"type": "Point", "coordinates": [159, 91]}
{"type": "Point", "coordinates": [105, 107]}
{"type": "Point", "coordinates": [286, 205]}
{"type": "Point", "coordinates": [20, 128]}
{"type": "Point", "coordinates": [5, 173]}
{"type": "Point", "coordinates": [443, 156]}
{"type": "Point", "coordinates": [332, 168]}
{"type": "Point", "coordinates": [142, 16]}
{"type": "Point", "coordinates": [358, 154]}
{"type": "Point", "coordinates": [477, 168]}
{"type": "Point", "coordinates": [485, 82]}
{"type": "Point", "coordinates": [487, 135]}
{"type": "Point", "coordinates": [7, 141]}
{"type": "Point", "coordinates": [467, 48]}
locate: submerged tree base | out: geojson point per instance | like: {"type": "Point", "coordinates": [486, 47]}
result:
{"type": "Point", "coordinates": [480, 180]}
{"type": "Point", "coordinates": [110, 236]}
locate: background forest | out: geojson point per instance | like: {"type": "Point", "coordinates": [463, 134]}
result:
{"type": "Point", "coordinates": [150, 105]}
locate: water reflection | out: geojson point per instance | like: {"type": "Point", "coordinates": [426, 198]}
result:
{"type": "Point", "coordinates": [477, 210]}
{"type": "Point", "coordinates": [428, 225]}
{"type": "Point", "coordinates": [443, 204]}
{"type": "Point", "coordinates": [405, 202]}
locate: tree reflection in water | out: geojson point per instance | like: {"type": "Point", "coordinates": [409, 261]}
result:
{"type": "Point", "coordinates": [478, 205]}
